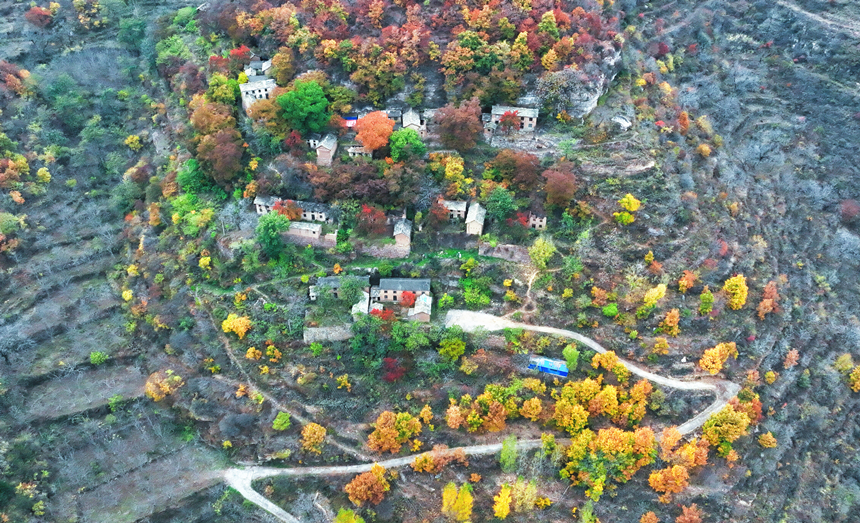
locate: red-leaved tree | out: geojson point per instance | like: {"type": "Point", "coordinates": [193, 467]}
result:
{"type": "Point", "coordinates": [560, 184]}
{"type": "Point", "coordinates": [393, 370]}
{"type": "Point", "coordinates": [459, 127]}
{"type": "Point", "coordinates": [509, 121]}
{"type": "Point", "coordinates": [39, 16]}
{"type": "Point", "coordinates": [407, 299]}
{"type": "Point", "coordinates": [371, 221]}
{"type": "Point", "coordinates": [290, 209]}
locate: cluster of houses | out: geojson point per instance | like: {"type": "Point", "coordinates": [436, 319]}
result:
{"type": "Point", "coordinates": [309, 227]}
{"type": "Point", "coordinates": [260, 87]}
{"type": "Point", "coordinates": [476, 214]}
{"type": "Point", "coordinates": [389, 290]}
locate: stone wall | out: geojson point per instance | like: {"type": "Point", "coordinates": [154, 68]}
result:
{"type": "Point", "coordinates": [512, 253]}
{"type": "Point", "coordinates": [321, 334]}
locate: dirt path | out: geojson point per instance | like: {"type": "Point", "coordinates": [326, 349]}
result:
{"type": "Point", "coordinates": [242, 479]}
{"type": "Point", "coordinates": [837, 23]}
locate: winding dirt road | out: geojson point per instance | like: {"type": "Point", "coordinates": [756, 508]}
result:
{"type": "Point", "coordinates": [242, 479]}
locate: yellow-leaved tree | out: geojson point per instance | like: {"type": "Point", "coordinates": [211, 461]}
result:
{"type": "Point", "coordinates": [502, 505]}
{"type": "Point", "coordinates": [240, 325]}
{"type": "Point", "coordinates": [736, 288]}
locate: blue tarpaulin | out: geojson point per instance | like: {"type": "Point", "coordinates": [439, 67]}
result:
{"type": "Point", "coordinates": [554, 367]}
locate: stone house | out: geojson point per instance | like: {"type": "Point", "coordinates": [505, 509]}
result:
{"type": "Point", "coordinates": [537, 221]}
{"type": "Point", "coordinates": [412, 120]}
{"type": "Point", "coordinates": [422, 310]}
{"type": "Point", "coordinates": [265, 204]}
{"type": "Point", "coordinates": [357, 150]}
{"type": "Point", "coordinates": [257, 88]}
{"type": "Point", "coordinates": [311, 231]}
{"type": "Point", "coordinates": [392, 289]}
{"type": "Point", "coordinates": [475, 219]}
{"type": "Point", "coordinates": [528, 116]}
{"type": "Point", "coordinates": [333, 283]}
{"type": "Point", "coordinates": [456, 210]}
{"type": "Point", "coordinates": [258, 67]}
{"type": "Point", "coordinates": [311, 211]}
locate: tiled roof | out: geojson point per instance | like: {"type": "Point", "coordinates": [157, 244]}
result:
{"type": "Point", "coordinates": [423, 303]}
{"type": "Point", "coordinates": [307, 226]}
{"type": "Point", "coordinates": [329, 142]}
{"type": "Point", "coordinates": [523, 112]}
{"type": "Point", "coordinates": [411, 117]}
{"type": "Point", "coordinates": [476, 213]}
{"type": "Point", "coordinates": [452, 205]}
{"type": "Point", "coordinates": [334, 282]}
{"type": "Point", "coordinates": [403, 226]}
{"type": "Point", "coordinates": [404, 284]}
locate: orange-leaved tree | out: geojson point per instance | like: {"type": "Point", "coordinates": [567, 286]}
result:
{"type": "Point", "coordinates": [392, 431]}
{"type": "Point", "coordinates": [690, 514]}
{"type": "Point", "coordinates": [369, 486]}
{"type": "Point", "coordinates": [769, 300]}
{"type": "Point", "coordinates": [374, 129]}
{"type": "Point", "coordinates": [671, 480]}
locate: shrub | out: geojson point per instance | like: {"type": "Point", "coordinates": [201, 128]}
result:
{"type": "Point", "coordinates": [706, 301]}
{"type": "Point", "coordinates": [630, 203]}
{"type": "Point", "coordinates": [508, 457]}
{"type": "Point", "coordinates": [624, 217]}
{"type": "Point", "coordinates": [611, 310]}
{"type": "Point", "coordinates": [282, 421]}
{"type": "Point", "coordinates": [97, 358]}
{"type": "Point", "coordinates": [767, 440]}
{"type": "Point", "coordinates": [133, 142]}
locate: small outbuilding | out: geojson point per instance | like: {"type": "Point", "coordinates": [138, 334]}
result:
{"type": "Point", "coordinates": [403, 233]}
{"type": "Point", "coordinates": [326, 149]}
{"type": "Point", "coordinates": [475, 219]}
{"type": "Point", "coordinates": [422, 309]}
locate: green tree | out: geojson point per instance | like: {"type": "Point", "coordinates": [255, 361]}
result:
{"type": "Point", "coordinates": [406, 143]}
{"type": "Point", "coordinates": [305, 108]}
{"type": "Point", "coordinates": [282, 421]}
{"type": "Point", "coordinates": [169, 48]}
{"type": "Point", "coordinates": [345, 515]}
{"type": "Point", "coordinates": [571, 356]}
{"type": "Point", "coordinates": [97, 358]}
{"type": "Point", "coordinates": [541, 251]}
{"type": "Point", "coordinates": [269, 231]}
{"type": "Point", "coordinates": [500, 203]}
{"type": "Point", "coordinates": [222, 90]}
{"type": "Point", "coordinates": [452, 349]}
{"type": "Point", "coordinates": [508, 457]}
{"type": "Point", "coordinates": [351, 288]}
{"type": "Point", "coordinates": [191, 178]}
